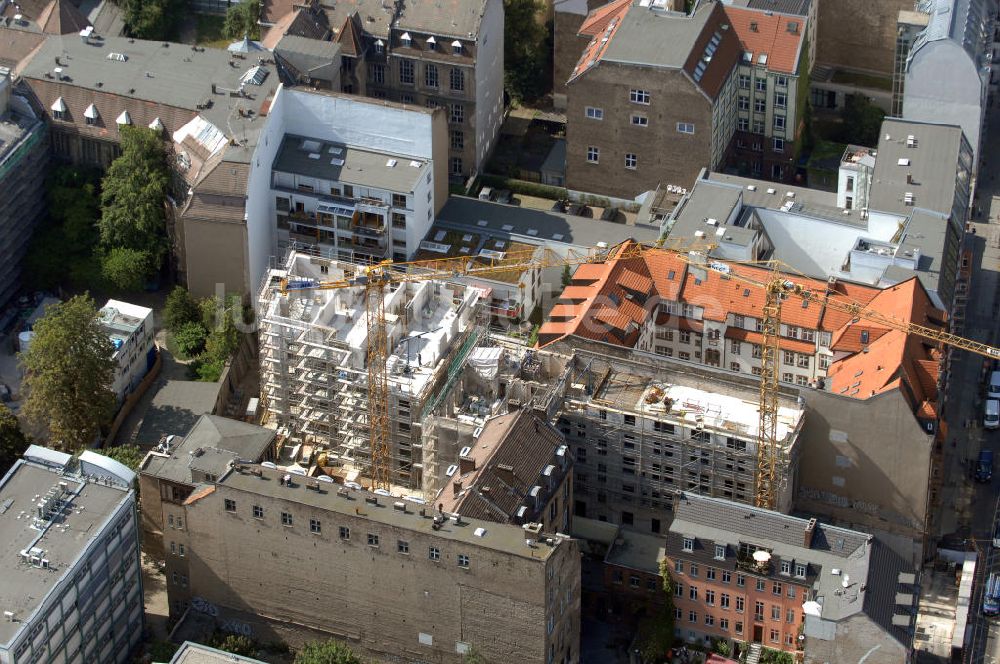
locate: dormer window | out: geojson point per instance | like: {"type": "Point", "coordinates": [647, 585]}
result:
{"type": "Point", "coordinates": [456, 47]}
{"type": "Point", "coordinates": [91, 115]}
{"type": "Point", "coordinates": [379, 46]}
{"type": "Point", "coordinates": [406, 40]}
{"type": "Point", "coordinates": [431, 43]}
{"type": "Point", "coordinates": [59, 109]}
{"type": "Point", "coordinates": [688, 544]}
{"type": "Point", "coordinates": [720, 552]}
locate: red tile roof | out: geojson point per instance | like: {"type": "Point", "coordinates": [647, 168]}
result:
{"type": "Point", "coordinates": [721, 58]}
{"type": "Point", "coordinates": [597, 21]}
{"type": "Point", "coordinates": [769, 34]}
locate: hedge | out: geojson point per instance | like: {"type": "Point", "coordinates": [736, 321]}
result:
{"type": "Point", "coordinates": [524, 187]}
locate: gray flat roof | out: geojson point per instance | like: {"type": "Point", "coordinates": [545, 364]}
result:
{"type": "Point", "coordinates": [25, 586]}
{"type": "Point", "coordinates": [637, 551]}
{"type": "Point", "coordinates": [652, 38]}
{"type": "Point", "coordinates": [195, 653]}
{"type": "Point", "coordinates": [455, 18]}
{"type": "Point", "coordinates": [708, 200]}
{"type": "Point", "coordinates": [220, 440]}
{"type": "Point", "coordinates": [497, 536]}
{"type": "Point", "coordinates": [175, 408]}
{"type": "Point", "coordinates": [170, 74]}
{"type": "Point", "coordinates": [796, 7]}
{"type": "Point", "coordinates": [344, 163]}
{"type": "Point", "coordinates": [933, 163]}
{"type": "Point", "coordinates": [548, 227]}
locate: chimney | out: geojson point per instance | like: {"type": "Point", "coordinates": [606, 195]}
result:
{"type": "Point", "coordinates": [505, 472]}
{"type": "Point", "coordinates": [457, 487]}
{"type": "Point", "coordinates": [466, 464]}
{"type": "Point", "coordinates": [810, 529]}
{"type": "Point", "coordinates": [909, 178]}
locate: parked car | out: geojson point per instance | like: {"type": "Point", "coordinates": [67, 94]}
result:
{"type": "Point", "coordinates": [984, 467]}
{"type": "Point", "coordinates": [993, 387]}
{"type": "Point", "coordinates": [991, 414]}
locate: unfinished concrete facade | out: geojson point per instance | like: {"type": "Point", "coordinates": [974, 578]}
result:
{"type": "Point", "coordinates": [314, 381]}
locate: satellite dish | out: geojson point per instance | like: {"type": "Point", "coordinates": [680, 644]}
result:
{"type": "Point", "coordinates": [761, 556]}
{"type": "Point", "coordinates": [812, 608]}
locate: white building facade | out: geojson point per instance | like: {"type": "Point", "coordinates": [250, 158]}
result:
{"type": "Point", "coordinates": [131, 330]}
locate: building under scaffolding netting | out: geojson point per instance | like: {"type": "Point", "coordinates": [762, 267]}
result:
{"type": "Point", "coordinates": [314, 380]}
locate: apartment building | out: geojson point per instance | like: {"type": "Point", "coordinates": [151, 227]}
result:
{"type": "Point", "coordinates": [511, 295]}
{"type": "Point", "coordinates": [641, 428]}
{"type": "Point", "coordinates": [314, 378]}
{"type": "Point", "coordinates": [862, 384]}
{"type": "Point", "coordinates": [424, 55]}
{"type": "Point", "coordinates": [514, 468]}
{"type": "Point", "coordinates": [737, 69]}
{"type": "Point", "coordinates": [752, 576]}
{"type": "Point", "coordinates": [23, 158]}
{"type": "Point", "coordinates": [420, 584]}
{"type": "Point", "coordinates": [130, 328]}
{"type": "Point", "coordinates": [942, 66]}
{"type": "Point", "coordinates": [72, 589]}
{"type": "Point", "coordinates": [170, 472]}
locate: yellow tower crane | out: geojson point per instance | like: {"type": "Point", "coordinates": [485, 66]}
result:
{"type": "Point", "coordinates": [777, 287]}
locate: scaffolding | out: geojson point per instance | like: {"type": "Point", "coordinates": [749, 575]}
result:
{"type": "Point", "coordinates": [313, 363]}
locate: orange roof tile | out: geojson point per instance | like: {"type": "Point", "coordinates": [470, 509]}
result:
{"type": "Point", "coordinates": [757, 338]}
{"type": "Point", "coordinates": [769, 34]}
{"type": "Point", "coordinates": [597, 21]}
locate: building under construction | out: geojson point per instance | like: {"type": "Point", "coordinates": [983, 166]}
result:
{"type": "Point", "coordinates": [314, 379]}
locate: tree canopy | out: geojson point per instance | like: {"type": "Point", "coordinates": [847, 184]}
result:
{"type": "Point", "coordinates": [13, 442]}
{"type": "Point", "coordinates": [150, 19]}
{"type": "Point", "coordinates": [133, 217]}
{"type": "Point", "coordinates": [327, 652]}
{"type": "Point", "coordinates": [526, 50]}
{"type": "Point", "coordinates": [241, 20]}
{"type": "Point", "coordinates": [69, 374]}
{"type": "Point", "coordinates": [128, 455]}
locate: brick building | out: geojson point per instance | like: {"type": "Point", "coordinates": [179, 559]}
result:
{"type": "Point", "coordinates": [744, 574]}
{"type": "Point", "coordinates": [408, 582]}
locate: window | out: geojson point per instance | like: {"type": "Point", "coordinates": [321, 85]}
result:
{"type": "Point", "coordinates": [345, 533]}
{"type": "Point", "coordinates": [790, 616]}
{"type": "Point", "coordinates": [651, 584]}
{"type": "Point", "coordinates": [776, 588]}
{"type": "Point", "coordinates": [406, 40]}
{"type": "Point", "coordinates": [693, 570]}
{"type": "Point", "coordinates": [743, 124]}
{"type": "Point", "coordinates": [739, 604]}
{"type": "Point", "coordinates": [595, 113]}
{"type": "Point", "coordinates": [761, 84]}
{"type": "Point", "coordinates": [775, 634]}
{"type": "Point", "coordinates": [230, 505]}
{"type": "Point", "coordinates": [760, 585]}
{"type": "Point", "coordinates": [286, 518]}
{"type": "Point", "coordinates": [727, 576]}
{"type": "Point", "coordinates": [434, 553]}
{"type": "Point", "coordinates": [456, 166]}
{"type": "Point", "coordinates": [800, 570]}
{"type": "Point", "coordinates": [180, 523]}
{"type": "Point", "coordinates": [685, 337]}
{"type": "Point", "coordinates": [741, 580]}
{"type": "Point", "coordinates": [173, 548]}
{"type": "Point", "coordinates": [759, 105]}
{"type": "Point", "coordinates": [456, 47]}
{"type": "Point", "coordinates": [790, 592]}
{"type": "Point", "coordinates": [372, 539]}
{"type": "Point", "coordinates": [377, 73]}
{"type": "Point", "coordinates": [724, 600]}
{"type": "Point", "coordinates": [692, 617]}
{"type": "Point", "coordinates": [638, 96]}
{"type": "Point", "coordinates": [710, 573]}
{"type": "Point", "coordinates": [593, 154]}
{"type": "Point", "coordinates": [780, 100]}
{"type": "Point", "coordinates": [679, 566]}
{"type": "Point", "coordinates": [724, 624]}
{"type": "Point", "coordinates": [788, 358]}
{"type": "Point", "coordinates": [59, 115]}
{"type": "Point", "coordinates": [685, 127]}
{"type": "Point", "coordinates": [739, 627]}
{"type": "Point", "coordinates": [457, 114]}
{"type": "Point", "coordinates": [633, 581]}
{"type": "Point", "coordinates": [463, 560]}
{"type": "Point", "coordinates": [693, 592]}
{"type": "Point", "coordinates": [743, 103]}
{"type": "Point", "coordinates": [787, 378]}
{"type": "Point", "coordinates": [678, 590]}
{"type": "Point", "coordinates": [786, 567]}
{"type": "Point", "coordinates": [744, 82]}
{"type": "Point", "coordinates": [758, 610]}
{"type": "Point", "coordinates": [688, 544]}
{"type": "Point", "coordinates": [457, 80]}
{"type": "Point", "coordinates": [91, 121]}
{"type": "Point", "coordinates": [457, 139]}
{"type": "Point", "coordinates": [778, 144]}
{"type": "Point", "coordinates": [710, 597]}
{"type": "Point", "coordinates": [430, 75]}
{"type": "Point", "coordinates": [781, 81]}
{"type": "Point", "coordinates": [709, 619]}
{"type": "Point", "coordinates": [631, 160]}
{"type": "Point", "coordinates": [258, 512]}
{"type": "Point", "coordinates": [406, 72]}
{"type": "Point", "coordinates": [315, 526]}
{"type": "Point", "coordinates": [640, 120]}
{"type": "Point", "coordinates": [758, 128]}
{"type": "Point", "coordinates": [779, 122]}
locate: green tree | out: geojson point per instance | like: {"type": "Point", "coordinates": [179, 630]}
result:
{"type": "Point", "coordinates": [236, 644]}
{"type": "Point", "coordinates": [862, 121]}
{"type": "Point", "coordinates": [567, 276]}
{"type": "Point", "coordinates": [656, 630]}
{"type": "Point", "coordinates": [68, 374]}
{"type": "Point", "coordinates": [190, 339]}
{"type": "Point", "coordinates": [13, 442]}
{"type": "Point", "coordinates": [327, 652]}
{"type": "Point", "coordinates": [126, 269]}
{"type": "Point", "coordinates": [150, 19]}
{"type": "Point", "coordinates": [180, 308]}
{"type": "Point", "coordinates": [241, 20]}
{"type": "Point", "coordinates": [128, 455]}
{"type": "Point", "coordinates": [133, 196]}
{"type": "Point", "coordinates": [525, 50]}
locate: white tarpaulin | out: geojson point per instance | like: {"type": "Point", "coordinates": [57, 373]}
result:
{"type": "Point", "coordinates": [485, 362]}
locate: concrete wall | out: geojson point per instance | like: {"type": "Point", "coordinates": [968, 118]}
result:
{"type": "Point", "coordinates": [866, 463]}
{"type": "Point", "coordinates": [664, 154]}
{"type": "Point", "coordinates": [858, 34]}
{"type": "Point", "coordinates": [216, 252]}
{"type": "Point", "coordinates": [489, 82]}
{"type": "Point", "coordinates": [376, 597]}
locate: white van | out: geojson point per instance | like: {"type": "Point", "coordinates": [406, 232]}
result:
{"type": "Point", "coordinates": [993, 389]}
{"type": "Point", "coordinates": [991, 416]}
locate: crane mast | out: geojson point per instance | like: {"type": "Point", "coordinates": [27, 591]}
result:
{"type": "Point", "coordinates": [767, 434]}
